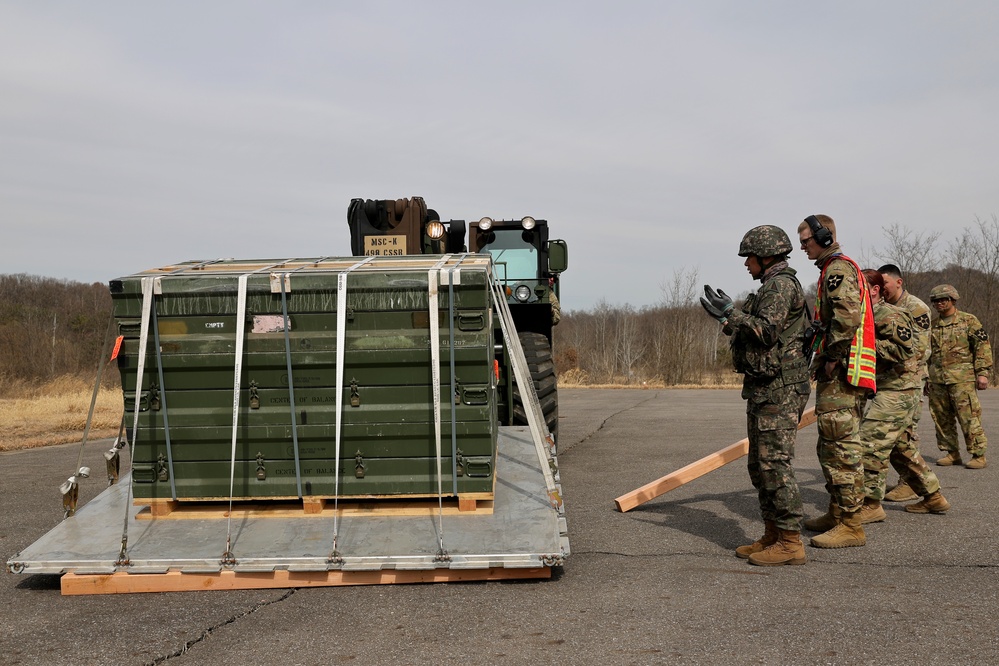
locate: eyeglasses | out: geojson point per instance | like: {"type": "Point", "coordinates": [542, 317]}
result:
{"type": "Point", "coordinates": [940, 300]}
{"type": "Point", "coordinates": [804, 241]}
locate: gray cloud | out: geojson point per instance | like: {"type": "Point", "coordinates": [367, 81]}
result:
{"type": "Point", "coordinates": [651, 135]}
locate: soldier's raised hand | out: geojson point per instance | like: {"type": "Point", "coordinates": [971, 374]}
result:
{"type": "Point", "coordinates": [716, 303]}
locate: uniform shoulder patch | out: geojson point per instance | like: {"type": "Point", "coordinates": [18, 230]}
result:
{"type": "Point", "coordinates": [923, 321]}
{"type": "Point", "coordinates": [904, 333]}
{"type": "Point", "coordinates": [834, 281]}
{"type": "Point", "coordinates": [982, 335]}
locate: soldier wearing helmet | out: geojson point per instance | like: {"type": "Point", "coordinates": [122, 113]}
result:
{"type": "Point", "coordinates": [767, 341]}
{"type": "Point", "coordinates": [960, 364]}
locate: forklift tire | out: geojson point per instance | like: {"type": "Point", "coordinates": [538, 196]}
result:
{"type": "Point", "coordinates": [538, 353]}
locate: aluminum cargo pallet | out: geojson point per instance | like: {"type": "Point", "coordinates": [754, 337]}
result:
{"type": "Point", "coordinates": [523, 537]}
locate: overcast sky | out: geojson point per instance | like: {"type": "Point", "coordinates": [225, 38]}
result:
{"type": "Point", "coordinates": [651, 135]}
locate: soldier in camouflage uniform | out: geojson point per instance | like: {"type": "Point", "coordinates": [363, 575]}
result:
{"type": "Point", "coordinates": [843, 309]}
{"type": "Point", "coordinates": [768, 348]}
{"type": "Point", "coordinates": [905, 456]}
{"type": "Point", "coordinates": [890, 413]}
{"type": "Point", "coordinates": [960, 364]}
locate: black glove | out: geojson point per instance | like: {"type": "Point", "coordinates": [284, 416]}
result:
{"type": "Point", "coordinates": [718, 304]}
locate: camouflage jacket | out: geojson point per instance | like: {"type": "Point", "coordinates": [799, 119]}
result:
{"type": "Point", "coordinates": [915, 367]}
{"type": "Point", "coordinates": [768, 338]}
{"type": "Point", "coordinates": [895, 345]}
{"type": "Point", "coordinates": [839, 306]}
{"type": "Point", "coordinates": [960, 349]}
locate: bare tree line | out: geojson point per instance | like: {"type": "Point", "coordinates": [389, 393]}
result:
{"type": "Point", "coordinates": [50, 327]}
{"type": "Point", "coordinates": [674, 343]}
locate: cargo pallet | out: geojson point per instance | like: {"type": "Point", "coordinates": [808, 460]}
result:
{"type": "Point", "coordinates": [275, 550]}
{"type": "Point", "coordinates": [119, 543]}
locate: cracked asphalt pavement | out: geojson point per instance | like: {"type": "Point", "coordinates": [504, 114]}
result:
{"type": "Point", "coordinates": [659, 584]}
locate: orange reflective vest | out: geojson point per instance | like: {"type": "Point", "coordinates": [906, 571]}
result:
{"type": "Point", "coordinates": [861, 369]}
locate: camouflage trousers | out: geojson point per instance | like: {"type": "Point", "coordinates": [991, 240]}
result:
{"type": "Point", "coordinates": [886, 431]}
{"type": "Point", "coordinates": [957, 402]}
{"type": "Point", "coordinates": [773, 428]}
{"type": "Point", "coordinates": [837, 409]}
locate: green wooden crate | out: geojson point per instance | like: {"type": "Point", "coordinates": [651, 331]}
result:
{"type": "Point", "coordinates": [387, 418]}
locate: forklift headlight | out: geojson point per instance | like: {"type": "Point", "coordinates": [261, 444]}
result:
{"type": "Point", "coordinates": [528, 223]}
{"type": "Point", "coordinates": [435, 230]}
{"type": "Point", "coordinates": [485, 224]}
{"type": "Point", "coordinates": [522, 293]}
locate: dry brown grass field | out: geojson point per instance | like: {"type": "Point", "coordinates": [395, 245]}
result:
{"type": "Point", "coordinates": [56, 413]}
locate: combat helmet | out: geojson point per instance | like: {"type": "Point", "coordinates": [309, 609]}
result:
{"type": "Point", "coordinates": [944, 291]}
{"type": "Point", "coordinates": [765, 240]}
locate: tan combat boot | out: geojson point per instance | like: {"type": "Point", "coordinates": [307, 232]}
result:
{"type": "Point", "coordinates": [976, 462]}
{"type": "Point", "coordinates": [872, 512]}
{"type": "Point", "coordinates": [848, 532]}
{"type": "Point", "coordinates": [952, 458]}
{"type": "Point", "coordinates": [932, 503]}
{"type": "Point", "coordinates": [825, 522]}
{"type": "Point", "coordinates": [901, 493]}
{"type": "Point", "coordinates": [788, 549]}
{"type": "Point", "coordinates": [770, 535]}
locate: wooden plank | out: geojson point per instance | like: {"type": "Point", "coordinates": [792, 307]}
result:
{"type": "Point", "coordinates": [175, 581]}
{"type": "Point", "coordinates": [696, 469]}
{"type": "Point", "coordinates": [220, 511]}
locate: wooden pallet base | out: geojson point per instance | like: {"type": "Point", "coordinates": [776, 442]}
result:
{"type": "Point", "coordinates": [310, 507]}
{"type": "Point", "coordinates": [175, 581]}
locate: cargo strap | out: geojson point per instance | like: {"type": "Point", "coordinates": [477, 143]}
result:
{"type": "Point", "coordinates": [163, 399]}
{"type": "Point", "coordinates": [147, 302]}
{"type": "Point", "coordinates": [341, 337]}
{"type": "Point", "coordinates": [228, 559]}
{"type": "Point", "coordinates": [70, 488]}
{"type": "Point", "coordinates": [453, 277]}
{"type": "Point", "coordinates": [435, 374]}
{"type": "Point", "coordinates": [544, 442]}
{"type": "Point", "coordinates": [285, 280]}
{"type": "Point", "coordinates": [113, 456]}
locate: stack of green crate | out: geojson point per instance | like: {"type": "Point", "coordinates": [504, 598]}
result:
{"type": "Point", "coordinates": [388, 445]}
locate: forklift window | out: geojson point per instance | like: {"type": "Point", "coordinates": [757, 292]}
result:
{"type": "Point", "coordinates": [520, 258]}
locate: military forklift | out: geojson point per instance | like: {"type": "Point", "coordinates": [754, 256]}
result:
{"type": "Point", "coordinates": [527, 263]}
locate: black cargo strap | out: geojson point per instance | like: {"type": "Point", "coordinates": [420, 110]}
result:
{"type": "Point", "coordinates": [163, 401]}
{"type": "Point", "coordinates": [285, 280]}
{"type": "Point", "coordinates": [453, 277]}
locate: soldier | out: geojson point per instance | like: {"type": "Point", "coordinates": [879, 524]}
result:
{"type": "Point", "coordinates": [890, 413]}
{"type": "Point", "coordinates": [960, 363]}
{"type": "Point", "coordinates": [844, 370]}
{"type": "Point", "coordinates": [905, 456]}
{"type": "Point", "coordinates": [556, 306]}
{"type": "Point", "coordinates": [768, 348]}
